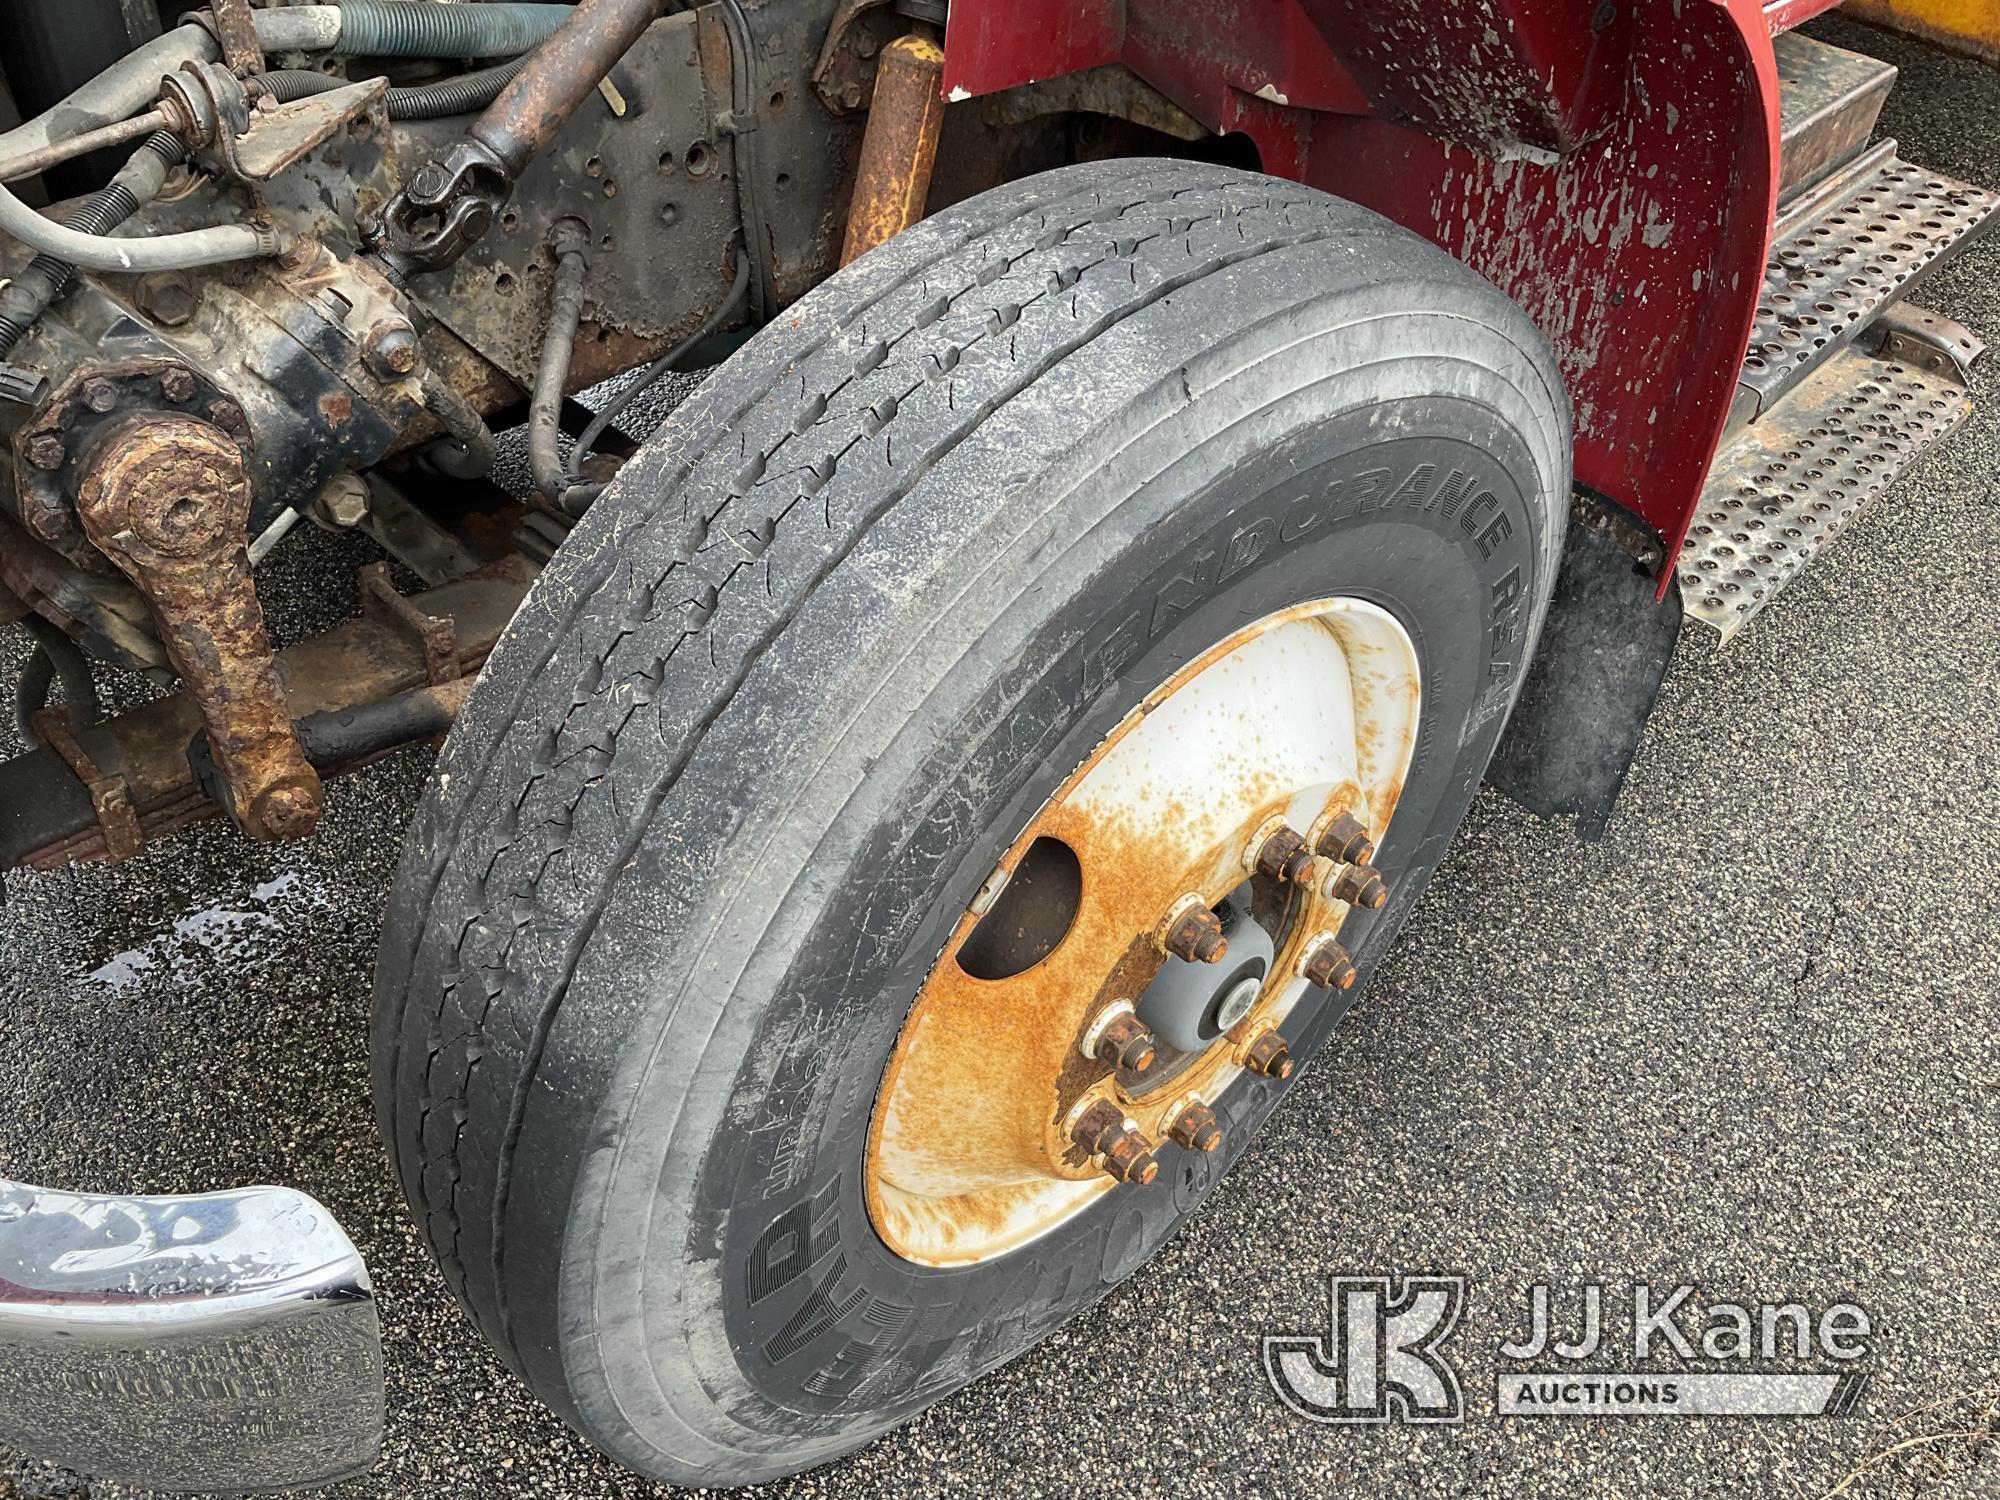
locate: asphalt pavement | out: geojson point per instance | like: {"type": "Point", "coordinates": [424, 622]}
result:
{"type": "Point", "coordinates": [1747, 1043]}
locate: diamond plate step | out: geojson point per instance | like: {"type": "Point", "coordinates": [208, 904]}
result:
{"type": "Point", "coordinates": [1828, 101]}
{"type": "Point", "coordinates": [1788, 485]}
{"type": "Point", "coordinates": [1868, 236]}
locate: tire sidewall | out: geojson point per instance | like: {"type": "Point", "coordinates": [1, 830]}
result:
{"type": "Point", "coordinates": [773, 1317]}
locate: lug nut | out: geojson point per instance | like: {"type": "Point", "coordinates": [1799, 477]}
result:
{"type": "Point", "coordinates": [45, 451]}
{"type": "Point", "coordinates": [1346, 842]}
{"type": "Point", "coordinates": [1196, 936]}
{"type": "Point", "coordinates": [1284, 856]}
{"type": "Point", "coordinates": [1361, 885]}
{"type": "Point", "coordinates": [1125, 1043]}
{"type": "Point", "coordinates": [1270, 1056]}
{"type": "Point", "coordinates": [1330, 966]}
{"type": "Point", "coordinates": [1103, 1130]}
{"type": "Point", "coordinates": [1196, 1128]}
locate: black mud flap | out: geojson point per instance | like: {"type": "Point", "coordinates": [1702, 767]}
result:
{"type": "Point", "coordinates": [1603, 654]}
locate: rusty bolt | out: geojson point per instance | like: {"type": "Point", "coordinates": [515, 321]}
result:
{"type": "Point", "coordinates": [1346, 841]}
{"type": "Point", "coordinates": [1126, 1043]}
{"type": "Point", "coordinates": [850, 95]}
{"type": "Point", "coordinates": [49, 525]}
{"type": "Point", "coordinates": [1284, 857]}
{"type": "Point", "coordinates": [1330, 966]}
{"type": "Point", "coordinates": [177, 384]}
{"type": "Point", "coordinates": [342, 502]}
{"type": "Point", "coordinates": [167, 297]}
{"type": "Point", "coordinates": [45, 451]}
{"type": "Point", "coordinates": [1103, 1130]}
{"type": "Point", "coordinates": [1361, 885]}
{"type": "Point", "coordinates": [99, 394]}
{"type": "Point", "coordinates": [1269, 1056]}
{"type": "Point", "coordinates": [390, 349]}
{"type": "Point", "coordinates": [1196, 1128]}
{"type": "Point", "coordinates": [228, 416]}
{"type": "Point", "coordinates": [1196, 936]}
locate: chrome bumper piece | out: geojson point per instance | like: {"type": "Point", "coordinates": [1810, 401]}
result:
{"type": "Point", "coordinates": [226, 1341]}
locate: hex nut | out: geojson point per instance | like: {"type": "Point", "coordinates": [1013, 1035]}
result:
{"type": "Point", "coordinates": [1104, 1132]}
{"type": "Point", "coordinates": [1346, 841]}
{"type": "Point", "coordinates": [46, 452]}
{"type": "Point", "coordinates": [342, 503]}
{"type": "Point", "coordinates": [1284, 857]}
{"type": "Point", "coordinates": [167, 297]}
{"type": "Point", "coordinates": [1270, 1056]}
{"type": "Point", "coordinates": [1126, 1044]}
{"type": "Point", "coordinates": [1196, 1128]}
{"type": "Point", "coordinates": [177, 384]}
{"type": "Point", "coordinates": [1361, 885]}
{"type": "Point", "coordinates": [1196, 935]}
{"type": "Point", "coordinates": [1330, 966]}
{"type": "Point", "coordinates": [390, 349]}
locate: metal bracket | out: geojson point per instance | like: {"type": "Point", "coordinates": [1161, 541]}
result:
{"type": "Point", "coordinates": [116, 817]}
{"type": "Point", "coordinates": [437, 635]}
{"type": "Point", "coordinates": [236, 29]}
{"type": "Point", "coordinates": [1929, 340]}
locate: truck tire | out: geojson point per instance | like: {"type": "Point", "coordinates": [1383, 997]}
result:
{"type": "Point", "coordinates": [766, 734]}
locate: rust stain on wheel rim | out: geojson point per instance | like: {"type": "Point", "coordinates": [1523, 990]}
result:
{"type": "Point", "coordinates": [1304, 715]}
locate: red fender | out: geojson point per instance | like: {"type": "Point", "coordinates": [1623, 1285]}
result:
{"type": "Point", "coordinates": [1612, 168]}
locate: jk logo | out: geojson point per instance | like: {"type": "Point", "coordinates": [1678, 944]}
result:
{"type": "Point", "coordinates": [1379, 1357]}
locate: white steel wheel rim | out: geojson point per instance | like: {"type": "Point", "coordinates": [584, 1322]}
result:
{"type": "Point", "coordinates": [1303, 715]}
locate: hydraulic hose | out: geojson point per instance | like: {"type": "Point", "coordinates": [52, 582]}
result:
{"type": "Point", "coordinates": [467, 451]}
{"type": "Point", "coordinates": [461, 95]}
{"type": "Point", "coordinates": [545, 464]}
{"type": "Point", "coordinates": [84, 250]}
{"type": "Point", "coordinates": [56, 658]}
{"type": "Point", "coordinates": [578, 495]}
{"type": "Point", "coordinates": [47, 277]}
{"type": "Point", "coordinates": [423, 28]}
{"type": "Point", "coordinates": [400, 28]}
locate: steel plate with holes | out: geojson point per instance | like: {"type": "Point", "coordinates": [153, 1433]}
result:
{"type": "Point", "coordinates": [1830, 273]}
{"type": "Point", "coordinates": [1783, 490]}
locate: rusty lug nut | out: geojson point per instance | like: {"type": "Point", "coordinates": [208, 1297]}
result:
{"type": "Point", "coordinates": [390, 349]}
{"type": "Point", "coordinates": [1284, 856]}
{"type": "Point", "coordinates": [1126, 1043]}
{"type": "Point", "coordinates": [1346, 842]}
{"type": "Point", "coordinates": [100, 395]}
{"type": "Point", "coordinates": [1331, 967]}
{"type": "Point", "coordinates": [167, 297]}
{"type": "Point", "coordinates": [177, 385]}
{"type": "Point", "coordinates": [1197, 936]}
{"type": "Point", "coordinates": [1361, 885]}
{"type": "Point", "coordinates": [1104, 1131]}
{"type": "Point", "coordinates": [1270, 1056]}
{"type": "Point", "coordinates": [45, 451]}
{"type": "Point", "coordinates": [1196, 1128]}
